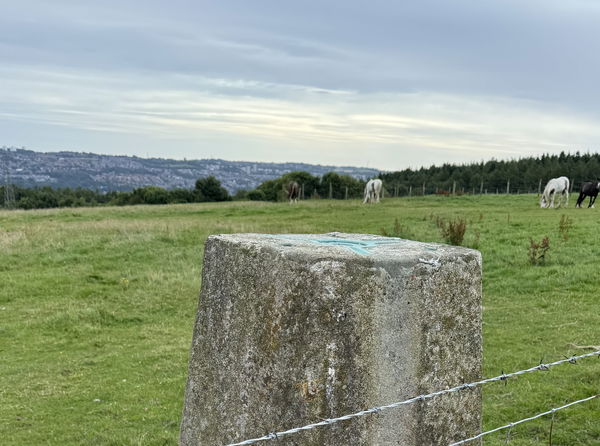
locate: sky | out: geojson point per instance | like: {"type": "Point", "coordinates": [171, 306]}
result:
{"type": "Point", "coordinates": [382, 84]}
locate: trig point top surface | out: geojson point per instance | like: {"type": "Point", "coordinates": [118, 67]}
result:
{"type": "Point", "coordinates": [343, 246]}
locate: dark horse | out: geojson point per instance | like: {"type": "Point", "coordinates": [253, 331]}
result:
{"type": "Point", "coordinates": [589, 189]}
{"type": "Point", "coordinates": [293, 191]}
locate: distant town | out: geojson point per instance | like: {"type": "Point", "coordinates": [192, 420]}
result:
{"type": "Point", "coordinates": [106, 173]}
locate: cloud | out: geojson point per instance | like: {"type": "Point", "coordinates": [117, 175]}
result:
{"type": "Point", "coordinates": [449, 126]}
{"type": "Point", "coordinates": [418, 82]}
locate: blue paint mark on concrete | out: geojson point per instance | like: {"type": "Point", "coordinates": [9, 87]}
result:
{"type": "Point", "coordinates": [358, 246]}
{"type": "Point", "coordinates": [361, 247]}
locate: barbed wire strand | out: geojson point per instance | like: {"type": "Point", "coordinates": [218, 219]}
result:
{"type": "Point", "coordinates": [514, 423]}
{"type": "Point", "coordinates": [503, 377]}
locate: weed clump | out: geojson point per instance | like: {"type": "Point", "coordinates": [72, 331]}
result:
{"type": "Point", "coordinates": [475, 243]}
{"type": "Point", "coordinates": [538, 251]}
{"type": "Point", "coordinates": [398, 230]}
{"type": "Point", "coordinates": [453, 231]}
{"type": "Point", "coordinates": [564, 226]}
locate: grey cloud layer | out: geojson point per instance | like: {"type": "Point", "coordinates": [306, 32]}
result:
{"type": "Point", "coordinates": [509, 48]}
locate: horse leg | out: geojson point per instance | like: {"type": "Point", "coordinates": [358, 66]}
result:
{"type": "Point", "coordinates": [592, 201]}
{"type": "Point", "coordinates": [579, 200]}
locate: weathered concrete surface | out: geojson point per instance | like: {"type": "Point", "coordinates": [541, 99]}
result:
{"type": "Point", "coordinates": [293, 329]}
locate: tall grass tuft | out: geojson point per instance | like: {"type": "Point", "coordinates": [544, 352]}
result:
{"type": "Point", "coordinates": [452, 231]}
{"type": "Point", "coordinates": [538, 251]}
{"type": "Point", "coordinates": [398, 230]}
{"type": "Point", "coordinates": [564, 226]}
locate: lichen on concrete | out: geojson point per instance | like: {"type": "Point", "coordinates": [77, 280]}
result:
{"type": "Point", "coordinates": [293, 329]}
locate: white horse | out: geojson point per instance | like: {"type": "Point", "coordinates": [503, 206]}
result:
{"type": "Point", "coordinates": [555, 186]}
{"type": "Point", "coordinates": [373, 191]}
{"type": "Point", "coordinates": [293, 191]}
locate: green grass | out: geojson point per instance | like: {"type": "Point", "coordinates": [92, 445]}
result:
{"type": "Point", "coordinates": [97, 307]}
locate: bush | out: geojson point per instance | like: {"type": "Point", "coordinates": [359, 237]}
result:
{"type": "Point", "coordinates": [256, 195]}
{"type": "Point", "coordinates": [538, 251]}
{"type": "Point", "coordinates": [453, 231]}
{"type": "Point", "coordinates": [564, 226]}
{"type": "Point", "coordinates": [211, 190]}
{"type": "Point", "coordinates": [398, 230]}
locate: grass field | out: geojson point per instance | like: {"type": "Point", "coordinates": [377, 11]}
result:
{"type": "Point", "coordinates": [97, 307]}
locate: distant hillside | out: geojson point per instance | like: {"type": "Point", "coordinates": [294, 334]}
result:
{"type": "Point", "coordinates": [124, 173]}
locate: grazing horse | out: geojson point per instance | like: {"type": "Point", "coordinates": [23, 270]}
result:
{"type": "Point", "coordinates": [293, 191]}
{"type": "Point", "coordinates": [589, 189]}
{"type": "Point", "coordinates": [555, 186]}
{"type": "Point", "coordinates": [373, 191]}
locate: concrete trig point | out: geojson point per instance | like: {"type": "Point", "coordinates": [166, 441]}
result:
{"type": "Point", "coordinates": [293, 329]}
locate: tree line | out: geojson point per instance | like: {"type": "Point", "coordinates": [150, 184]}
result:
{"type": "Point", "coordinates": [331, 185]}
{"type": "Point", "coordinates": [526, 175]}
{"type": "Point", "coordinates": [206, 190]}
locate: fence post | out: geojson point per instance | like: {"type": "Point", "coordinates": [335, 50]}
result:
{"type": "Point", "coordinates": [508, 186]}
{"type": "Point", "coordinates": [346, 193]}
{"type": "Point", "coordinates": [423, 189]}
{"type": "Point", "coordinates": [330, 191]}
{"type": "Point", "coordinates": [454, 188]}
{"type": "Point", "coordinates": [294, 329]}
{"type": "Point", "coordinates": [540, 187]}
{"type": "Point", "coordinates": [410, 191]}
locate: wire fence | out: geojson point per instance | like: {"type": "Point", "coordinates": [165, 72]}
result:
{"type": "Point", "coordinates": [503, 377]}
{"type": "Point", "coordinates": [514, 423]}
